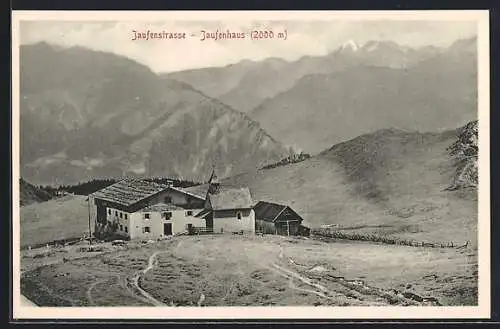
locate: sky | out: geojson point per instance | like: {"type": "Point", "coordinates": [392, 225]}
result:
{"type": "Point", "coordinates": [303, 38]}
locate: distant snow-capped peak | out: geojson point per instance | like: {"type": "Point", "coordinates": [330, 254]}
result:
{"type": "Point", "coordinates": [352, 45]}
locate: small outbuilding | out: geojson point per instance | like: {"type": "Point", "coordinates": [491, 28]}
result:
{"type": "Point", "coordinates": [229, 210]}
{"type": "Point", "coordinates": [273, 218]}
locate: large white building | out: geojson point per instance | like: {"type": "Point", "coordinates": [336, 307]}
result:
{"type": "Point", "coordinates": [143, 209]}
{"type": "Point", "coordinates": [136, 208]}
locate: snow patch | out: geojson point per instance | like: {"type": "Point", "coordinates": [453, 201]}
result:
{"type": "Point", "coordinates": [352, 45]}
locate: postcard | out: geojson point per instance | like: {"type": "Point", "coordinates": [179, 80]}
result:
{"type": "Point", "coordinates": [250, 165]}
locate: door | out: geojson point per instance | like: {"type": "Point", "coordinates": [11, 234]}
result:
{"type": "Point", "coordinates": [167, 228]}
{"type": "Point", "coordinates": [101, 214]}
{"type": "Point", "coordinates": [209, 220]}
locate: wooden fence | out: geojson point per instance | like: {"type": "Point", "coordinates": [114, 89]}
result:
{"type": "Point", "coordinates": [194, 230]}
{"type": "Point", "coordinates": [329, 233]}
{"type": "Point", "coordinates": [54, 243]}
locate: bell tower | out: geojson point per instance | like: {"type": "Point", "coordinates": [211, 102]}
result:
{"type": "Point", "coordinates": [213, 183]}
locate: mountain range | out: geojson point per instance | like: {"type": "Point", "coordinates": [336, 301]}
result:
{"type": "Point", "coordinates": [315, 102]}
{"type": "Point", "coordinates": [246, 84]}
{"type": "Point", "coordinates": [87, 114]}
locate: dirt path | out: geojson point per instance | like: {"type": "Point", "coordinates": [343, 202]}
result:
{"type": "Point", "coordinates": [135, 280]}
{"type": "Point", "coordinates": [118, 278]}
{"type": "Point", "coordinates": [152, 262]}
{"type": "Point", "coordinates": [322, 291]}
{"type": "Point", "coordinates": [126, 287]}
{"type": "Point", "coordinates": [290, 274]}
{"type": "Point", "coordinates": [90, 288]}
{"type": "Point", "coordinates": [292, 285]}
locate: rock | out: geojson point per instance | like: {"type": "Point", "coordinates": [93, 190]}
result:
{"type": "Point", "coordinates": [412, 296]}
{"type": "Point", "coordinates": [318, 269]}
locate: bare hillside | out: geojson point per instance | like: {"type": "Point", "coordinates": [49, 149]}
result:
{"type": "Point", "coordinates": [86, 114]}
{"type": "Point", "coordinates": [390, 182]}
{"type": "Point", "coordinates": [31, 194]}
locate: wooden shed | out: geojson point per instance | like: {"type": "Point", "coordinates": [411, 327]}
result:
{"type": "Point", "coordinates": [273, 218]}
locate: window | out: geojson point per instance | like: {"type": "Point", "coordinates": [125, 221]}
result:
{"type": "Point", "coordinates": [126, 229]}
{"type": "Point", "coordinates": [166, 215]}
{"type": "Point", "coordinates": [146, 229]}
{"type": "Point", "coordinates": [116, 213]}
{"type": "Point", "coordinates": [109, 211]}
{"type": "Point", "coordinates": [168, 199]}
{"type": "Point", "coordinates": [121, 215]}
{"type": "Point", "coordinates": [126, 216]}
{"type": "Point", "coordinates": [121, 227]}
{"type": "Point", "coordinates": [239, 215]}
{"type": "Point", "coordinates": [147, 216]}
{"type": "Point", "coordinates": [189, 213]}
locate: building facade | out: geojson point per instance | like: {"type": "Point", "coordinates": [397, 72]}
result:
{"type": "Point", "coordinates": [229, 210]}
{"type": "Point", "coordinates": [273, 218]}
{"type": "Point", "coordinates": [135, 208]}
{"type": "Point", "coordinates": [234, 221]}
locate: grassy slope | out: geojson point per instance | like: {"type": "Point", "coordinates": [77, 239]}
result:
{"type": "Point", "coordinates": [61, 218]}
{"type": "Point", "coordinates": [390, 182]}
{"type": "Point", "coordinates": [241, 270]}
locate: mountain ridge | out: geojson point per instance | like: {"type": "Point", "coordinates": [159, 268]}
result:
{"type": "Point", "coordinates": [389, 182]}
{"type": "Point", "coordinates": [438, 93]}
{"type": "Point", "coordinates": [109, 122]}
{"type": "Point", "coordinates": [265, 81]}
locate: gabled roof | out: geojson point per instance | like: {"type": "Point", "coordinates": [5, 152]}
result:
{"type": "Point", "coordinates": [198, 191]}
{"type": "Point", "coordinates": [129, 191]}
{"type": "Point", "coordinates": [270, 212]}
{"type": "Point", "coordinates": [231, 198]}
{"type": "Point", "coordinates": [160, 207]}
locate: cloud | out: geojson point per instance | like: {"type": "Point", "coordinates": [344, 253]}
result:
{"type": "Point", "coordinates": [304, 38]}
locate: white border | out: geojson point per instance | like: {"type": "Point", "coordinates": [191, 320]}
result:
{"type": "Point", "coordinates": [214, 313]}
